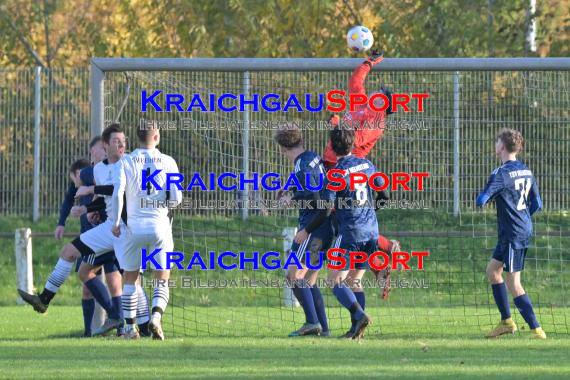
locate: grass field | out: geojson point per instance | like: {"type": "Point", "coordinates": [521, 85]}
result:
{"type": "Point", "coordinates": [435, 333]}
{"type": "Point", "coordinates": [33, 346]}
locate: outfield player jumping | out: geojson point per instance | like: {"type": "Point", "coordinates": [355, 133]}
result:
{"type": "Point", "coordinates": [358, 227]}
{"type": "Point", "coordinates": [147, 228]}
{"type": "Point", "coordinates": [516, 195]}
{"type": "Point", "coordinates": [365, 137]}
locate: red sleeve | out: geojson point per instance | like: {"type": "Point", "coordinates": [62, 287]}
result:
{"type": "Point", "coordinates": [356, 82]}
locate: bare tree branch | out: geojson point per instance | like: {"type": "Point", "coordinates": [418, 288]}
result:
{"type": "Point", "coordinates": [71, 30]}
{"type": "Point", "coordinates": [46, 33]}
{"type": "Point", "coordinates": [22, 39]}
{"type": "Point", "coordinates": [352, 13]}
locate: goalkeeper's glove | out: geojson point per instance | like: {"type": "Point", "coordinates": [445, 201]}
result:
{"type": "Point", "coordinates": [375, 58]}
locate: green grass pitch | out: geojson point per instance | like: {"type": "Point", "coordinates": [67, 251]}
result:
{"type": "Point", "coordinates": [412, 337]}
{"type": "Point", "coordinates": [40, 346]}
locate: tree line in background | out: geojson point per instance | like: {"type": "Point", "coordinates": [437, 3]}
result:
{"type": "Point", "coordinates": [66, 33]}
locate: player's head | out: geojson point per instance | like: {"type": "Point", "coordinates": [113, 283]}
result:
{"type": "Point", "coordinates": [96, 149]}
{"type": "Point", "coordinates": [342, 141]}
{"type": "Point", "coordinates": [148, 136]}
{"type": "Point", "coordinates": [509, 141]}
{"type": "Point", "coordinates": [290, 139]}
{"type": "Point", "coordinates": [379, 101]}
{"type": "Point", "coordinates": [114, 141]}
{"type": "Point", "coordinates": [75, 169]}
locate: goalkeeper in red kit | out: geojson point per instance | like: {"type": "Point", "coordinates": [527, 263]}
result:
{"type": "Point", "coordinates": [366, 137]}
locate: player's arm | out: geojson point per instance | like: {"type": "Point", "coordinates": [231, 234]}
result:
{"type": "Point", "coordinates": [534, 199]}
{"type": "Point", "coordinates": [174, 192]}
{"type": "Point", "coordinates": [321, 216]}
{"type": "Point", "coordinates": [382, 195]}
{"type": "Point", "coordinates": [493, 187]}
{"type": "Point", "coordinates": [117, 201]}
{"type": "Point", "coordinates": [65, 209]}
{"type": "Point", "coordinates": [356, 82]}
{"type": "Point", "coordinates": [90, 187]}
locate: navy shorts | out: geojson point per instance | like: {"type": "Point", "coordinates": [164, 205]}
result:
{"type": "Point", "coordinates": [368, 247]}
{"type": "Point", "coordinates": [107, 260]}
{"type": "Point", "coordinates": [314, 246]}
{"type": "Point", "coordinates": [512, 259]}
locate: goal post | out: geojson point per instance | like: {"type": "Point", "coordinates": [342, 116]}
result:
{"type": "Point", "coordinates": [24, 269]}
{"type": "Point", "coordinates": [470, 100]}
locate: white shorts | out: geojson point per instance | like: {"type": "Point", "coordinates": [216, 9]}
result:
{"type": "Point", "coordinates": [131, 256]}
{"type": "Point", "coordinates": [101, 240]}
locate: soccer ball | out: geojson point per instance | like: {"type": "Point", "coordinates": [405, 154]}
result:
{"type": "Point", "coordinates": [359, 38]}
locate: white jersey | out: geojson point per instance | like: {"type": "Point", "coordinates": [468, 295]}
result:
{"type": "Point", "coordinates": [103, 174]}
{"type": "Point", "coordinates": [129, 180]}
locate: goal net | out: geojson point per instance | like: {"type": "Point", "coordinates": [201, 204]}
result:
{"type": "Point", "coordinates": [453, 140]}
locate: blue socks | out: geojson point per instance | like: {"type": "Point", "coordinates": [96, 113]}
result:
{"type": "Point", "coordinates": [117, 307]}
{"type": "Point", "coordinates": [522, 303]}
{"type": "Point", "coordinates": [88, 311]}
{"type": "Point", "coordinates": [361, 299]}
{"type": "Point", "coordinates": [347, 299]}
{"type": "Point", "coordinates": [305, 297]}
{"type": "Point", "coordinates": [320, 307]}
{"type": "Point", "coordinates": [502, 299]}
{"type": "Point", "coordinates": [99, 291]}
{"type": "Point", "coordinates": [525, 308]}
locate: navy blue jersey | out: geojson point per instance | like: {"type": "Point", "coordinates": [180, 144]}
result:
{"type": "Point", "coordinates": [86, 176]}
{"type": "Point", "coordinates": [309, 169]}
{"type": "Point", "coordinates": [69, 200]}
{"type": "Point", "coordinates": [356, 224]}
{"type": "Point", "coordinates": [515, 191]}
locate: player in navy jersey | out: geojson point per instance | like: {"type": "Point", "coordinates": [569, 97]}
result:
{"type": "Point", "coordinates": [514, 189]}
{"type": "Point", "coordinates": [368, 132]}
{"type": "Point", "coordinates": [358, 226]}
{"type": "Point", "coordinates": [308, 167]}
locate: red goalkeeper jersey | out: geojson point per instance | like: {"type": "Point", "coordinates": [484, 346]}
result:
{"type": "Point", "coordinates": [364, 138]}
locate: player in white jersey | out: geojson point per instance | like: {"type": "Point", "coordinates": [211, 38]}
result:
{"type": "Point", "coordinates": [97, 241]}
{"type": "Point", "coordinates": [147, 228]}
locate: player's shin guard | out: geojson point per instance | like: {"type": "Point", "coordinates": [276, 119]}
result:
{"type": "Point", "coordinates": [525, 308]}
{"type": "Point", "coordinates": [56, 279]}
{"type": "Point", "coordinates": [320, 307]}
{"type": "Point", "coordinates": [160, 296]}
{"type": "Point", "coordinates": [129, 301]}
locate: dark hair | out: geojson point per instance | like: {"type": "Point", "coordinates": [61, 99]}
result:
{"type": "Point", "coordinates": [143, 131]}
{"type": "Point", "coordinates": [388, 92]}
{"type": "Point", "coordinates": [289, 137]}
{"type": "Point", "coordinates": [78, 165]}
{"type": "Point", "coordinates": [113, 128]}
{"type": "Point", "coordinates": [94, 141]}
{"type": "Point", "coordinates": [512, 139]}
{"type": "Point", "coordinates": [342, 140]}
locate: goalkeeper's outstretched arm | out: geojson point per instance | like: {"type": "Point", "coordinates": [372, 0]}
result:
{"type": "Point", "coordinates": [356, 82]}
